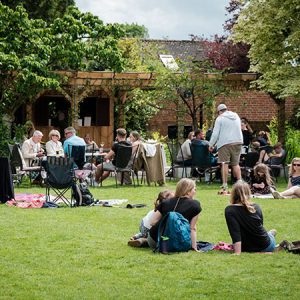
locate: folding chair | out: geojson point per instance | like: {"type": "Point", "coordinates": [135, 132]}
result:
{"type": "Point", "coordinates": [247, 165]}
{"type": "Point", "coordinates": [60, 178]}
{"type": "Point", "coordinates": [78, 155]}
{"type": "Point", "coordinates": [201, 161]}
{"type": "Point", "coordinates": [122, 164]}
{"type": "Point", "coordinates": [275, 167]}
{"type": "Point", "coordinates": [174, 149]}
{"type": "Point", "coordinates": [18, 164]}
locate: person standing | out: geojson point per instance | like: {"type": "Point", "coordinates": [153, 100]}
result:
{"type": "Point", "coordinates": [227, 136]}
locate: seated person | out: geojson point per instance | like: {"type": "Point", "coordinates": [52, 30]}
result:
{"type": "Point", "coordinates": [247, 134]}
{"type": "Point", "coordinates": [31, 149]}
{"type": "Point", "coordinates": [200, 140]}
{"type": "Point", "coordinates": [275, 157]}
{"type": "Point", "coordinates": [140, 239]}
{"type": "Point", "coordinates": [54, 146]}
{"type": "Point", "coordinates": [109, 164]}
{"type": "Point", "coordinates": [135, 140]}
{"type": "Point", "coordinates": [245, 223]}
{"type": "Point", "coordinates": [184, 154]}
{"type": "Point", "coordinates": [293, 188]}
{"type": "Point", "coordinates": [72, 140]}
{"type": "Point", "coordinates": [261, 181]}
{"type": "Point", "coordinates": [90, 144]}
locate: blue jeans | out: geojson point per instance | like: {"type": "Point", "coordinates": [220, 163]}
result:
{"type": "Point", "coordinates": [272, 245]}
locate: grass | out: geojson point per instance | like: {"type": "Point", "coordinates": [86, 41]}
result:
{"type": "Point", "coordinates": [82, 253]}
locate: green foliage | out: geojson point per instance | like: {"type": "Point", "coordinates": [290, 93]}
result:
{"type": "Point", "coordinates": [51, 254]}
{"type": "Point", "coordinates": [48, 10]}
{"type": "Point", "coordinates": [134, 30]}
{"type": "Point", "coordinates": [4, 139]}
{"type": "Point", "coordinates": [273, 32]}
{"type": "Point", "coordinates": [292, 139]}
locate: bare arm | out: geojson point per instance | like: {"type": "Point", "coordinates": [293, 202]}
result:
{"type": "Point", "coordinates": [109, 155]}
{"type": "Point", "coordinates": [289, 184]}
{"type": "Point", "coordinates": [193, 227]}
{"type": "Point", "coordinates": [155, 218]}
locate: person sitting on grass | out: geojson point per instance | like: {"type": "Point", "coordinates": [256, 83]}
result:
{"type": "Point", "coordinates": [261, 181]}
{"type": "Point", "coordinates": [245, 223]}
{"type": "Point", "coordinates": [183, 203]}
{"type": "Point", "coordinates": [140, 239]}
{"type": "Point", "coordinates": [293, 188]}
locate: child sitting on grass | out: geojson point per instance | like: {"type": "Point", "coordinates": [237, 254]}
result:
{"type": "Point", "coordinates": [140, 239]}
{"type": "Point", "coordinates": [261, 181]}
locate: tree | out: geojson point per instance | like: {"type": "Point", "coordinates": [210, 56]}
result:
{"type": "Point", "coordinates": [134, 30]}
{"type": "Point", "coordinates": [273, 32]}
{"type": "Point", "coordinates": [48, 10]}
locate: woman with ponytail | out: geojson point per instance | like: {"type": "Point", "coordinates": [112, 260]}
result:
{"type": "Point", "coordinates": [245, 223]}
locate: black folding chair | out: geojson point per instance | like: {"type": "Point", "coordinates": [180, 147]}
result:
{"type": "Point", "coordinates": [122, 164]}
{"type": "Point", "coordinates": [247, 165]}
{"type": "Point", "coordinates": [78, 155]}
{"type": "Point", "coordinates": [201, 161]}
{"type": "Point", "coordinates": [60, 178]}
{"type": "Point", "coordinates": [276, 167]}
{"type": "Point", "coordinates": [174, 149]}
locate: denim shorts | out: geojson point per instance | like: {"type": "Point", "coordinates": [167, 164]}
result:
{"type": "Point", "coordinates": [272, 245]}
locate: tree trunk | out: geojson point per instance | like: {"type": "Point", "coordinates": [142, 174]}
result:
{"type": "Point", "coordinates": [280, 118]}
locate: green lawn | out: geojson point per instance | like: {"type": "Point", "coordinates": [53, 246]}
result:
{"type": "Point", "coordinates": [82, 253]}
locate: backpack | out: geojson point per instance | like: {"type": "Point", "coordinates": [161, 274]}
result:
{"type": "Point", "coordinates": [82, 194]}
{"type": "Point", "coordinates": [174, 233]}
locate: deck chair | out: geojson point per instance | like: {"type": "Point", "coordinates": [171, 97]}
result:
{"type": "Point", "coordinates": [174, 149]}
{"type": "Point", "coordinates": [247, 165]}
{"type": "Point", "coordinates": [60, 178]}
{"type": "Point", "coordinates": [122, 164]}
{"type": "Point", "coordinates": [18, 164]}
{"type": "Point", "coordinates": [201, 162]}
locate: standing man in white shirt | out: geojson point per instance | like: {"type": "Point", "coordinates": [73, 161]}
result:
{"type": "Point", "coordinates": [227, 136]}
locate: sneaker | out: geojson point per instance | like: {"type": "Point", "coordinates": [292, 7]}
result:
{"type": "Point", "coordinates": [142, 242]}
{"type": "Point", "coordinates": [277, 195]}
{"type": "Point", "coordinates": [273, 232]}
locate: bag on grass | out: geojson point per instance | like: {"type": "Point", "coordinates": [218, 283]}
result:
{"type": "Point", "coordinates": [174, 233]}
{"type": "Point", "coordinates": [293, 247]}
{"type": "Point", "coordinates": [82, 194]}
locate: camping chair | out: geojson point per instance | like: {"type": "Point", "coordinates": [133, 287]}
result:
{"type": "Point", "coordinates": [122, 164]}
{"type": "Point", "coordinates": [275, 168]}
{"type": "Point", "coordinates": [60, 178]}
{"type": "Point", "coordinates": [78, 155]}
{"type": "Point", "coordinates": [201, 162]}
{"type": "Point", "coordinates": [174, 148]}
{"type": "Point", "coordinates": [247, 165]}
{"type": "Point", "coordinates": [18, 164]}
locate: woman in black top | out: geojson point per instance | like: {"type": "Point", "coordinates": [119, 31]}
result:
{"type": "Point", "coordinates": [189, 208]}
{"type": "Point", "coordinates": [245, 223]}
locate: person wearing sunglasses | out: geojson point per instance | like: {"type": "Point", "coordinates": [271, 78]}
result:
{"type": "Point", "coordinates": [293, 190]}
{"type": "Point", "coordinates": [54, 146]}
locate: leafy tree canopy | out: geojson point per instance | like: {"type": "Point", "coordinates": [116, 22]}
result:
{"type": "Point", "coordinates": [272, 29]}
{"type": "Point", "coordinates": [48, 10]}
{"type": "Point", "coordinates": [134, 30]}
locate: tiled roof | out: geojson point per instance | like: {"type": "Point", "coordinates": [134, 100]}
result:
{"type": "Point", "coordinates": [180, 49]}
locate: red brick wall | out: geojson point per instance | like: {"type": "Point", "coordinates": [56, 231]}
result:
{"type": "Point", "coordinates": [258, 107]}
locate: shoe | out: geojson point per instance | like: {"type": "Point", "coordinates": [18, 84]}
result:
{"type": "Point", "coordinates": [138, 243]}
{"type": "Point", "coordinates": [273, 232]}
{"type": "Point", "coordinates": [277, 195]}
{"type": "Point", "coordinates": [224, 192]}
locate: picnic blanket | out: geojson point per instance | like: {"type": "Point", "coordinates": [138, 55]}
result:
{"type": "Point", "coordinates": [28, 200]}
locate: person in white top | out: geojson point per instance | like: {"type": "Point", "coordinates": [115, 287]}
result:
{"type": "Point", "coordinates": [185, 153]}
{"type": "Point", "coordinates": [227, 136]}
{"type": "Point", "coordinates": [54, 146]}
{"type": "Point", "coordinates": [31, 148]}
{"type": "Point", "coordinates": [140, 239]}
